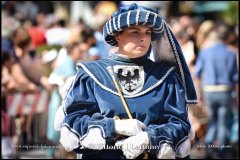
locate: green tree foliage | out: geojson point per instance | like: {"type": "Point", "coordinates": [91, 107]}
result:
{"type": "Point", "coordinates": [230, 15]}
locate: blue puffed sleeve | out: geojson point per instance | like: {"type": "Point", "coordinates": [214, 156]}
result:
{"type": "Point", "coordinates": [82, 111]}
{"type": "Point", "coordinates": [172, 126]}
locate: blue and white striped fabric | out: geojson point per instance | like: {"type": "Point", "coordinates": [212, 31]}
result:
{"type": "Point", "coordinates": [129, 16]}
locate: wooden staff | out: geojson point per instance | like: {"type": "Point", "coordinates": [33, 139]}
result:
{"type": "Point", "coordinates": [110, 70]}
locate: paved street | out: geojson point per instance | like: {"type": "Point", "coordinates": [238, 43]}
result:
{"type": "Point", "coordinates": [33, 154]}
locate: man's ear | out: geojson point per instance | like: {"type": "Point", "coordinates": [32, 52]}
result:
{"type": "Point", "coordinates": [116, 37]}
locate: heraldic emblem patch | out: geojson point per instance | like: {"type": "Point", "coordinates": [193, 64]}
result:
{"type": "Point", "coordinates": [130, 78]}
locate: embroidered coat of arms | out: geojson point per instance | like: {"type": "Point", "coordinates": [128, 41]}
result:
{"type": "Point", "coordinates": [130, 78]}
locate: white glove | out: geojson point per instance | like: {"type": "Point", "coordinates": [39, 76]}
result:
{"type": "Point", "coordinates": [69, 140]}
{"type": "Point", "coordinates": [55, 79]}
{"type": "Point", "coordinates": [184, 148]}
{"type": "Point", "coordinates": [94, 139]}
{"type": "Point", "coordinates": [166, 152]}
{"type": "Point", "coordinates": [133, 146]}
{"type": "Point", "coordinates": [63, 90]}
{"type": "Point", "coordinates": [129, 127]}
{"type": "Point", "coordinates": [59, 118]}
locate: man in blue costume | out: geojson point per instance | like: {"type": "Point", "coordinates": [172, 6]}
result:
{"type": "Point", "coordinates": [157, 92]}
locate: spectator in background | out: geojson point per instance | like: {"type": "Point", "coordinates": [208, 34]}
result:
{"type": "Point", "coordinates": [20, 80]}
{"type": "Point", "coordinates": [203, 33]}
{"type": "Point", "coordinates": [98, 47]}
{"type": "Point", "coordinates": [187, 46]}
{"type": "Point", "coordinates": [6, 125]}
{"type": "Point", "coordinates": [29, 67]}
{"type": "Point", "coordinates": [87, 36]}
{"type": "Point", "coordinates": [6, 65]}
{"type": "Point", "coordinates": [45, 7]}
{"type": "Point", "coordinates": [190, 25]}
{"type": "Point", "coordinates": [45, 12]}
{"type": "Point", "coordinates": [75, 36]}
{"type": "Point", "coordinates": [103, 11]}
{"type": "Point", "coordinates": [26, 76]}
{"type": "Point", "coordinates": [101, 46]}
{"type": "Point", "coordinates": [231, 40]}
{"type": "Point", "coordinates": [26, 10]}
{"type": "Point", "coordinates": [58, 34]}
{"type": "Point", "coordinates": [37, 34]}
{"type": "Point", "coordinates": [9, 29]}
{"type": "Point", "coordinates": [76, 52]}
{"type": "Point", "coordinates": [218, 65]}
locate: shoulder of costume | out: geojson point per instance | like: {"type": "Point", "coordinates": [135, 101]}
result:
{"type": "Point", "coordinates": [163, 68]}
{"type": "Point", "coordinates": [95, 69]}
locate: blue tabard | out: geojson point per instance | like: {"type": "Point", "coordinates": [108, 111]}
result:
{"type": "Point", "coordinates": [153, 92]}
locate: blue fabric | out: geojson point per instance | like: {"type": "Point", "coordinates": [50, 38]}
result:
{"type": "Point", "coordinates": [131, 7]}
{"type": "Point", "coordinates": [67, 69]}
{"type": "Point", "coordinates": [7, 46]}
{"type": "Point", "coordinates": [52, 134]}
{"type": "Point", "coordinates": [183, 70]}
{"type": "Point", "coordinates": [235, 125]}
{"type": "Point", "coordinates": [219, 111]}
{"type": "Point", "coordinates": [218, 64]}
{"type": "Point", "coordinates": [162, 110]}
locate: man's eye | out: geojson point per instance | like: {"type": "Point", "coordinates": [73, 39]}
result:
{"type": "Point", "coordinates": [148, 33]}
{"type": "Point", "coordinates": [134, 32]}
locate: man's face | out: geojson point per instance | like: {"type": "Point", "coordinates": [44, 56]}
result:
{"type": "Point", "coordinates": [134, 41]}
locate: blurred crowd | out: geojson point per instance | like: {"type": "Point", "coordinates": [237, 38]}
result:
{"type": "Point", "coordinates": [41, 46]}
{"type": "Point", "coordinates": [211, 52]}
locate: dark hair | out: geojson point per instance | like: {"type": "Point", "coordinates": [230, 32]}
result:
{"type": "Point", "coordinates": [61, 23]}
{"type": "Point", "coordinates": [232, 38]}
{"type": "Point", "coordinates": [223, 31]}
{"type": "Point", "coordinates": [86, 34]}
{"type": "Point", "coordinates": [22, 37]}
{"type": "Point", "coordinates": [182, 35]}
{"type": "Point", "coordinates": [5, 56]}
{"type": "Point", "coordinates": [71, 46]}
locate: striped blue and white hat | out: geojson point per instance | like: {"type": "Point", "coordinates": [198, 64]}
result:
{"type": "Point", "coordinates": [130, 16]}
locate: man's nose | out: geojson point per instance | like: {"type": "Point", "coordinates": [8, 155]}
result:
{"type": "Point", "coordinates": [142, 37]}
